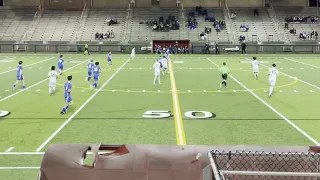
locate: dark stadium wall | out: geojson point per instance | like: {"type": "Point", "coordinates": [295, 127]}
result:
{"type": "Point", "coordinates": [245, 3]}
{"type": "Point", "coordinates": [110, 3]}
{"type": "Point", "coordinates": [144, 3]}
{"type": "Point", "coordinates": [63, 4]}
{"type": "Point", "coordinates": [203, 3]}
{"type": "Point", "coordinates": [22, 2]}
{"type": "Point", "coordinates": [288, 2]}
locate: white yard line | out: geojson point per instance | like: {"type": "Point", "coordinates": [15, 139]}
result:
{"type": "Point", "coordinates": [78, 110]}
{"type": "Point", "coordinates": [302, 63]}
{"type": "Point", "coordinates": [28, 87]}
{"type": "Point", "coordinates": [28, 65]}
{"type": "Point", "coordinates": [9, 149]}
{"type": "Point", "coordinates": [272, 109]}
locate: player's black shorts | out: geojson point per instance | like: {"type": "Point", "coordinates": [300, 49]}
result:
{"type": "Point", "coordinates": [224, 76]}
{"type": "Point", "coordinates": [86, 49]}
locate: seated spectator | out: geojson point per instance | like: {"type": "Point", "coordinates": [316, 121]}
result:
{"type": "Point", "coordinates": [293, 31]}
{"type": "Point", "coordinates": [203, 36]}
{"type": "Point", "coordinates": [112, 34]}
{"type": "Point", "coordinates": [286, 25]}
{"type": "Point", "coordinates": [186, 50]}
{"type": "Point", "coordinates": [244, 28]}
{"type": "Point", "coordinates": [209, 18]}
{"type": "Point", "coordinates": [199, 10]}
{"type": "Point", "coordinates": [207, 30]}
{"type": "Point", "coordinates": [233, 15]}
{"type": "Point", "coordinates": [205, 13]}
{"type": "Point", "coordinates": [316, 35]}
{"type": "Point", "coordinates": [96, 35]}
{"type": "Point", "coordinates": [255, 12]}
{"type": "Point", "coordinates": [218, 28]}
{"type": "Point", "coordinates": [242, 38]}
{"type": "Point", "coordinates": [101, 36]}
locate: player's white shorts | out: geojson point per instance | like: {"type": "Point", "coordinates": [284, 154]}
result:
{"type": "Point", "coordinates": [132, 55]}
{"type": "Point", "coordinates": [255, 70]}
{"type": "Point", "coordinates": [52, 84]}
{"type": "Point", "coordinates": [157, 72]}
{"type": "Point", "coordinates": [272, 82]}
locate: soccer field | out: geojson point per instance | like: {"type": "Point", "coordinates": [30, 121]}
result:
{"type": "Point", "coordinates": [122, 110]}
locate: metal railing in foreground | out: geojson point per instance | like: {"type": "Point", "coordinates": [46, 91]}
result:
{"type": "Point", "coordinates": [241, 165]}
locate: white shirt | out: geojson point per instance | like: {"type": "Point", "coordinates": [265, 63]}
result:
{"type": "Point", "coordinates": [164, 61]}
{"type": "Point", "coordinates": [53, 75]}
{"type": "Point", "coordinates": [255, 64]}
{"type": "Point", "coordinates": [273, 73]}
{"type": "Point", "coordinates": [133, 51]}
{"type": "Point", "coordinates": [156, 66]}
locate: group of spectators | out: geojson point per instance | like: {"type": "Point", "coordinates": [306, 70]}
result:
{"type": "Point", "coordinates": [164, 25]}
{"type": "Point", "coordinates": [107, 35]}
{"type": "Point", "coordinates": [308, 36]}
{"type": "Point", "coordinates": [172, 50]}
{"type": "Point", "coordinates": [192, 21]}
{"type": "Point", "coordinates": [301, 19]}
{"type": "Point", "coordinates": [111, 21]}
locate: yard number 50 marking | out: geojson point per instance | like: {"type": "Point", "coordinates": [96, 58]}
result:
{"type": "Point", "coordinates": [161, 114]}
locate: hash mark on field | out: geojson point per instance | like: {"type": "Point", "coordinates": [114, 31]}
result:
{"type": "Point", "coordinates": [280, 91]}
{"type": "Point", "coordinates": [82, 90]}
{"type": "Point", "coordinates": [158, 90]}
{"type": "Point", "coordinates": [234, 91]}
{"type": "Point", "coordinates": [144, 91]}
{"type": "Point", "coordinates": [281, 68]}
{"type": "Point", "coordinates": [128, 90]}
{"type": "Point", "coordinates": [189, 91]}
{"type": "Point", "coordinates": [311, 68]}
{"type": "Point", "coordinates": [180, 68]}
{"type": "Point", "coordinates": [38, 90]}
{"type": "Point", "coordinates": [291, 68]}
{"type": "Point", "coordinates": [8, 90]}
{"type": "Point", "coordinates": [301, 68]}
{"type": "Point", "coordinates": [265, 91]}
{"type": "Point", "coordinates": [240, 68]}
{"type": "Point", "coordinates": [219, 91]}
{"type": "Point", "coordinates": [311, 91]}
{"type": "Point", "coordinates": [295, 90]}
{"type": "Point", "coordinates": [9, 149]}
{"type": "Point", "coordinates": [204, 91]}
{"type": "Point", "coordinates": [113, 90]}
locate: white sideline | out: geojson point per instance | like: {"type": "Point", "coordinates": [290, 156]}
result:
{"type": "Point", "coordinates": [292, 76]}
{"type": "Point", "coordinates": [7, 168]}
{"type": "Point", "coordinates": [28, 65]}
{"type": "Point", "coordinates": [28, 87]}
{"type": "Point", "coordinates": [274, 110]}
{"type": "Point", "coordinates": [78, 110]}
{"type": "Point", "coordinates": [302, 63]}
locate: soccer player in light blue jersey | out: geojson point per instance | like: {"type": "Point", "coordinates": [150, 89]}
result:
{"type": "Point", "coordinates": [109, 58]}
{"type": "Point", "coordinates": [90, 71]}
{"type": "Point", "coordinates": [67, 95]}
{"type": "Point", "coordinates": [96, 74]}
{"type": "Point", "coordinates": [20, 76]}
{"type": "Point", "coordinates": [166, 54]}
{"type": "Point", "coordinates": [60, 64]}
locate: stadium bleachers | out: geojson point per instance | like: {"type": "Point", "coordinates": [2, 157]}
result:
{"type": "Point", "coordinates": [214, 36]}
{"type": "Point", "coordinates": [282, 12]}
{"type": "Point", "coordinates": [261, 28]}
{"type": "Point", "coordinates": [56, 25]}
{"type": "Point", "coordinates": [141, 32]}
{"type": "Point", "coordinates": [14, 23]}
{"type": "Point", "coordinates": [95, 22]}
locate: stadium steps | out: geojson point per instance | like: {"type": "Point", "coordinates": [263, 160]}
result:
{"type": "Point", "coordinates": [231, 31]}
{"type": "Point", "coordinates": [14, 23]}
{"type": "Point", "coordinates": [83, 18]}
{"type": "Point", "coordinates": [260, 27]}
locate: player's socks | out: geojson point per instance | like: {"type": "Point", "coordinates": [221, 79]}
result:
{"type": "Point", "coordinates": [270, 91]}
{"type": "Point", "coordinates": [89, 78]}
{"type": "Point", "coordinates": [14, 86]}
{"type": "Point", "coordinates": [220, 85]}
{"type": "Point", "coordinates": [23, 87]}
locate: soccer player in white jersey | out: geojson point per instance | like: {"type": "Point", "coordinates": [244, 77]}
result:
{"type": "Point", "coordinates": [53, 75]}
{"type": "Point", "coordinates": [133, 53]}
{"type": "Point", "coordinates": [164, 62]}
{"type": "Point", "coordinates": [157, 68]}
{"type": "Point", "coordinates": [255, 67]}
{"type": "Point", "coordinates": [273, 74]}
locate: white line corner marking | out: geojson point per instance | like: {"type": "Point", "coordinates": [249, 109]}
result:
{"type": "Point", "coordinates": [78, 110]}
{"type": "Point", "coordinates": [271, 108]}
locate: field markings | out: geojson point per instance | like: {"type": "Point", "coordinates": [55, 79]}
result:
{"type": "Point", "coordinates": [180, 135]}
{"type": "Point", "coordinates": [272, 109]}
{"type": "Point", "coordinates": [28, 65]}
{"type": "Point", "coordinates": [9, 149]}
{"type": "Point", "coordinates": [8, 168]}
{"type": "Point", "coordinates": [79, 109]}
{"type": "Point", "coordinates": [28, 87]}
{"type": "Point", "coordinates": [302, 63]}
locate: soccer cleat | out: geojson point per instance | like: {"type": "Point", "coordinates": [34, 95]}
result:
{"type": "Point", "coordinates": [62, 113]}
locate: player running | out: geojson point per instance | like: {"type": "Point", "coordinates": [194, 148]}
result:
{"type": "Point", "coordinates": [273, 74]}
{"type": "Point", "coordinates": [133, 53]}
{"type": "Point", "coordinates": [20, 76]}
{"type": "Point", "coordinates": [53, 76]}
{"type": "Point", "coordinates": [166, 54]}
{"type": "Point", "coordinates": [109, 58]}
{"type": "Point", "coordinates": [96, 74]}
{"type": "Point", "coordinates": [255, 67]}
{"type": "Point", "coordinates": [67, 95]}
{"type": "Point", "coordinates": [90, 71]}
{"type": "Point", "coordinates": [157, 68]}
{"type": "Point", "coordinates": [224, 74]}
{"type": "Point", "coordinates": [60, 64]}
{"type": "Point", "coordinates": [164, 62]}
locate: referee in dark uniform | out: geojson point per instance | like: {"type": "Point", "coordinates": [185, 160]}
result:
{"type": "Point", "coordinates": [224, 74]}
{"type": "Point", "coordinates": [243, 47]}
{"type": "Point", "coordinates": [217, 48]}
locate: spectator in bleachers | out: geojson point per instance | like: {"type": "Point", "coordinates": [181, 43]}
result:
{"type": "Point", "coordinates": [203, 36]}
{"type": "Point", "coordinates": [243, 47]}
{"type": "Point", "coordinates": [207, 30]}
{"type": "Point", "coordinates": [255, 12]}
{"type": "Point", "coordinates": [244, 28]}
{"type": "Point", "coordinates": [233, 15]}
{"type": "Point", "coordinates": [286, 25]}
{"type": "Point", "coordinates": [316, 35]}
{"type": "Point", "coordinates": [242, 38]}
{"type": "Point", "coordinates": [96, 36]}
{"type": "Point", "coordinates": [301, 19]}
{"type": "Point", "coordinates": [218, 28]}
{"type": "Point", "coordinates": [199, 10]}
{"type": "Point", "coordinates": [186, 50]}
{"type": "Point", "coordinates": [209, 18]}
